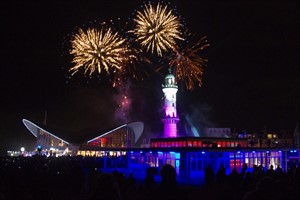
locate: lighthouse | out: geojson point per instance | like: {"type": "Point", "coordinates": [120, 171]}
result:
{"type": "Point", "coordinates": [170, 118]}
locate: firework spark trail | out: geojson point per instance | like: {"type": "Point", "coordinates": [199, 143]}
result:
{"type": "Point", "coordinates": [96, 49]}
{"type": "Point", "coordinates": [188, 64]}
{"type": "Point", "coordinates": [135, 69]}
{"type": "Point", "coordinates": [157, 28]}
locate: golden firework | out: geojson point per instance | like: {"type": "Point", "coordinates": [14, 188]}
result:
{"type": "Point", "coordinates": [189, 65]}
{"type": "Point", "coordinates": [157, 28]}
{"type": "Point", "coordinates": [98, 49]}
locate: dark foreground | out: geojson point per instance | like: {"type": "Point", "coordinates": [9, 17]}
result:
{"type": "Point", "coordinates": [77, 178]}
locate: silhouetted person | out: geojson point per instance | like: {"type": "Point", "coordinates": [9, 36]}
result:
{"type": "Point", "coordinates": [149, 181]}
{"type": "Point", "coordinates": [271, 172]}
{"type": "Point", "coordinates": [266, 188]}
{"type": "Point", "coordinates": [244, 169]}
{"type": "Point", "coordinates": [279, 172]}
{"type": "Point", "coordinates": [168, 189]}
{"type": "Point", "coordinates": [209, 175]}
{"type": "Point", "coordinates": [130, 182]}
{"type": "Point", "coordinates": [221, 175]}
{"type": "Point", "coordinates": [247, 182]}
{"type": "Point", "coordinates": [234, 178]}
{"type": "Point", "coordinates": [107, 188]}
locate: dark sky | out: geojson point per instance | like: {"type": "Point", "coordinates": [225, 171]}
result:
{"type": "Point", "coordinates": [252, 81]}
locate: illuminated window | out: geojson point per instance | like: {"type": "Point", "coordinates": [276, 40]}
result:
{"type": "Point", "coordinates": [199, 144]}
{"type": "Point", "coordinates": [195, 144]}
{"type": "Point", "coordinates": [223, 144]}
{"type": "Point", "coordinates": [180, 143]}
{"type": "Point", "coordinates": [176, 144]}
{"type": "Point", "coordinates": [227, 144]}
{"type": "Point", "coordinates": [269, 136]}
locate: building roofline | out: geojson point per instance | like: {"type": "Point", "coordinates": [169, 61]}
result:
{"type": "Point", "coordinates": [26, 124]}
{"type": "Point", "coordinates": [137, 128]}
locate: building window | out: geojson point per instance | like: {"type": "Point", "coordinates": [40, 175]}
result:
{"type": "Point", "coordinates": [228, 144]}
{"type": "Point", "coordinates": [195, 144]}
{"type": "Point", "coordinates": [223, 144]}
{"type": "Point", "coordinates": [199, 144]}
{"type": "Point", "coordinates": [180, 143]}
{"type": "Point", "coordinates": [269, 136]}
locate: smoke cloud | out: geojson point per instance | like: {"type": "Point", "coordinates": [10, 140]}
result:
{"type": "Point", "coordinates": [197, 118]}
{"type": "Point", "coordinates": [123, 100]}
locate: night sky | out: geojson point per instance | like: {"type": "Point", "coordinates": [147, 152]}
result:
{"type": "Point", "coordinates": [252, 81]}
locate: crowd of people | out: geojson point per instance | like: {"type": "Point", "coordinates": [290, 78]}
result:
{"type": "Point", "coordinates": [43, 178]}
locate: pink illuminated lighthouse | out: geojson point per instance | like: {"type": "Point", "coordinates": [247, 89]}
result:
{"type": "Point", "coordinates": [170, 115]}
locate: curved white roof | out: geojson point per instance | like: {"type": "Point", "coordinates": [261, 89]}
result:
{"type": "Point", "coordinates": [137, 128]}
{"type": "Point", "coordinates": [34, 129]}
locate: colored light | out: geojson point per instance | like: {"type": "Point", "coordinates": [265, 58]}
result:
{"type": "Point", "coordinates": [177, 163]}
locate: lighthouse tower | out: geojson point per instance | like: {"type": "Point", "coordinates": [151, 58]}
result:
{"type": "Point", "coordinates": [170, 115]}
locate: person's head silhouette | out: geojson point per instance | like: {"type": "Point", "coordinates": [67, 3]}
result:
{"type": "Point", "coordinates": [168, 175]}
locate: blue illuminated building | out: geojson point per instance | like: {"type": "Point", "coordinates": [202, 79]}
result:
{"type": "Point", "coordinates": [118, 148]}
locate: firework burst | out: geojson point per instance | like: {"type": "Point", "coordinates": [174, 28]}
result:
{"type": "Point", "coordinates": [157, 28]}
{"type": "Point", "coordinates": [98, 49]}
{"type": "Point", "coordinates": [188, 64]}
